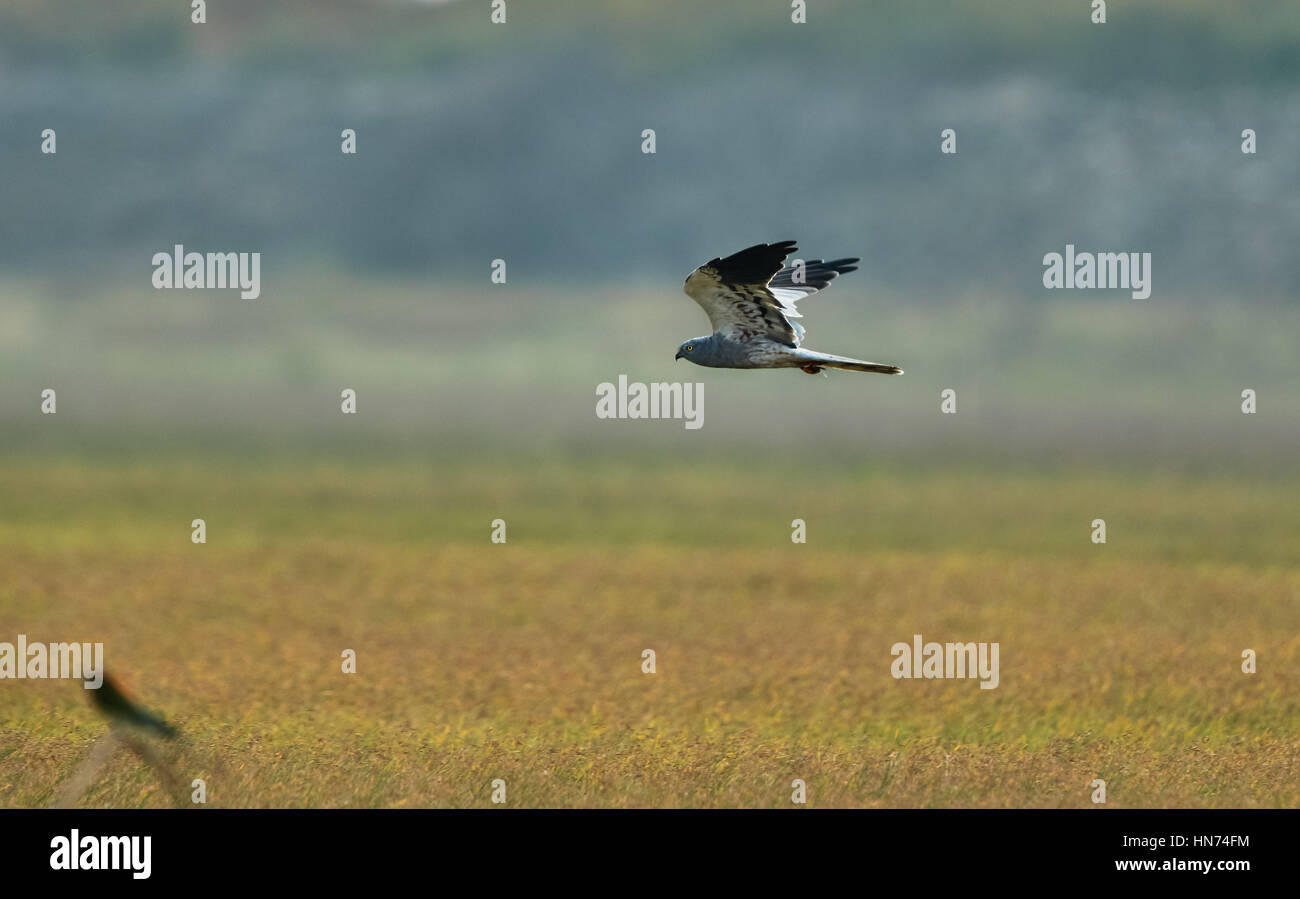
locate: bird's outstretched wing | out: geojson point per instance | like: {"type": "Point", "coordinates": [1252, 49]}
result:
{"type": "Point", "coordinates": [750, 294]}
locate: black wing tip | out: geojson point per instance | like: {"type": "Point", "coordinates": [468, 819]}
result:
{"type": "Point", "coordinates": [759, 263]}
{"type": "Point", "coordinates": [847, 264]}
{"type": "Point", "coordinates": [789, 246]}
{"type": "Point", "coordinates": [786, 246]}
{"type": "Point", "coordinates": [754, 265]}
{"type": "Point", "coordinates": [819, 274]}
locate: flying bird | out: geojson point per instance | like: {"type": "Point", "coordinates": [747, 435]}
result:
{"type": "Point", "coordinates": [129, 724]}
{"type": "Point", "coordinates": [750, 299]}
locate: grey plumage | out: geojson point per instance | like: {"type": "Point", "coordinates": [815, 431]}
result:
{"type": "Point", "coordinates": [750, 299]}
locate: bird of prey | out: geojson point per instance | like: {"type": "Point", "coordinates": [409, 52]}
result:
{"type": "Point", "coordinates": [750, 299]}
{"type": "Point", "coordinates": [129, 725]}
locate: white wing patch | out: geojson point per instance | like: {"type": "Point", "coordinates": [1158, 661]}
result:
{"type": "Point", "coordinates": [743, 312]}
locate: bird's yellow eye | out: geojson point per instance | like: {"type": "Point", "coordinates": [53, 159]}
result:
{"type": "Point", "coordinates": [689, 348]}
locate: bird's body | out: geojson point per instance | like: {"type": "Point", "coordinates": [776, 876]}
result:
{"type": "Point", "coordinates": [750, 299]}
{"type": "Point", "coordinates": [121, 711]}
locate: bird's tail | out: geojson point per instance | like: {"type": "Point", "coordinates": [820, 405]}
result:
{"type": "Point", "coordinates": [826, 360]}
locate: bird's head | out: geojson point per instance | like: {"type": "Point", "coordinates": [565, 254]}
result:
{"type": "Point", "coordinates": [692, 349]}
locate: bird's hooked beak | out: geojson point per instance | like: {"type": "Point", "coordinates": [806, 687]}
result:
{"type": "Point", "coordinates": [678, 356]}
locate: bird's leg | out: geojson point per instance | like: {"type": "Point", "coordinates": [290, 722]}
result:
{"type": "Point", "coordinates": [155, 761]}
{"type": "Point", "coordinates": [811, 369]}
{"type": "Point", "coordinates": [71, 791]}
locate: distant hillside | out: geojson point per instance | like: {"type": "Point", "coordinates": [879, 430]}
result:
{"type": "Point", "coordinates": [522, 141]}
{"type": "Point", "coordinates": [1249, 38]}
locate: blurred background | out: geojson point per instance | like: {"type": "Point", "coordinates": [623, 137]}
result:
{"type": "Point", "coordinates": [476, 401]}
{"type": "Point", "coordinates": [522, 141]}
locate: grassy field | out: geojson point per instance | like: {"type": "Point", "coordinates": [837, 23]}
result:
{"type": "Point", "coordinates": [523, 661]}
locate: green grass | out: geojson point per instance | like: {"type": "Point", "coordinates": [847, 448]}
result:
{"type": "Point", "coordinates": [559, 500]}
{"type": "Point", "coordinates": [522, 661]}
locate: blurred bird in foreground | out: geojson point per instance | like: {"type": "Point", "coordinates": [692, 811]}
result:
{"type": "Point", "coordinates": [120, 710]}
{"type": "Point", "coordinates": [131, 725]}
